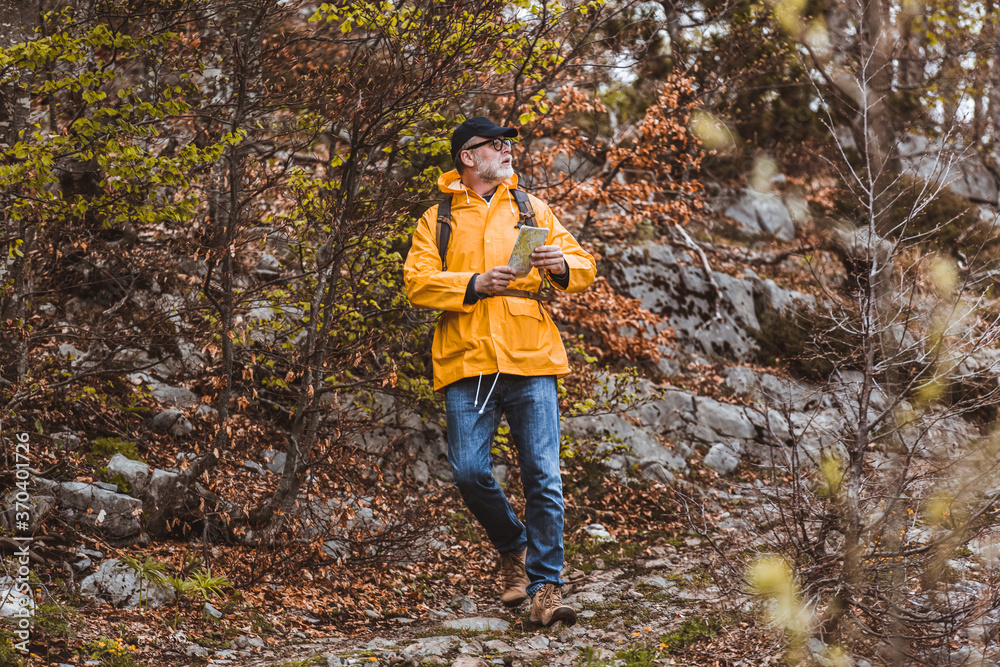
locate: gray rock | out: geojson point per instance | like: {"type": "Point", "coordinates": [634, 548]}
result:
{"type": "Point", "coordinates": [499, 646]}
{"type": "Point", "coordinates": [420, 472]}
{"type": "Point", "coordinates": [212, 611]}
{"type": "Point", "coordinates": [161, 484]}
{"type": "Point", "coordinates": [760, 213]}
{"type": "Point", "coordinates": [724, 458]}
{"type": "Point", "coordinates": [478, 624]}
{"type": "Point", "coordinates": [337, 548]}
{"type": "Point", "coordinates": [175, 397]}
{"type": "Point", "coordinates": [253, 466]}
{"type": "Point", "coordinates": [82, 565]}
{"type": "Point", "coordinates": [722, 420]}
{"type": "Point", "coordinates": [469, 661]}
{"type": "Point", "coordinates": [244, 642]}
{"type": "Point", "coordinates": [66, 439]}
{"type": "Point", "coordinates": [136, 473]}
{"type": "Point", "coordinates": [656, 582]}
{"type": "Point", "coordinates": [115, 514]}
{"type": "Point", "coordinates": [13, 600]}
{"type": "Point", "coordinates": [173, 422]}
{"type": "Point", "coordinates": [379, 644]}
{"type": "Point", "coordinates": [107, 486]}
{"type": "Point", "coordinates": [274, 461]}
{"type": "Point", "coordinates": [463, 603]}
{"type": "Point", "coordinates": [741, 380]}
{"type": "Point", "coordinates": [955, 166]}
{"type": "Point", "coordinates": [615, 430]}
{"type": "Point", "coordinates": [655, 471]}
{"type": "Point", "coordinates": [598, 533]}
{"type": "Point", "coordinates": [427, 647]}
{"type": "Point", "coordinates": [39, 506]}
{"type": "Point", "coordinates": [195, 651]}
{"type": "Point", "coordinates": [118, 585]}
{"type": "Point", "coordinates": [791, 394]}
{"type": "Point", "coordinates": [724, 327]}
{"type": "Point", "coordinates": [537, 642]}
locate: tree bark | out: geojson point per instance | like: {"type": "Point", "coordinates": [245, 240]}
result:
{"type": "Point", "coordinates": [17, 21]}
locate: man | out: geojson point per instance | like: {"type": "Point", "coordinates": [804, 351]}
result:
{"type": "Point", "coordinates": [497, 352]}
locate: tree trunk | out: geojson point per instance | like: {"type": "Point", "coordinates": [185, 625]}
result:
{"type": "Point", "coordinates": [17, 20]}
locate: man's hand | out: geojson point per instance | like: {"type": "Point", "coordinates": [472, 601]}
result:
{"type": "Point", "coordinates": [549, 258]}
{"type": "Point", "coordinates": [494, 280]}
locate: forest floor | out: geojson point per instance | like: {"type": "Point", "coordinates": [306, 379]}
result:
{"type": "Point", "coordinates": [665, 589]}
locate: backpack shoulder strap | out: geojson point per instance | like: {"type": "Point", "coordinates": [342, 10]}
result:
{"type": "Point", "coordinates": [444, 230]}
{"type": "Point", "coordinates": [525, 207]}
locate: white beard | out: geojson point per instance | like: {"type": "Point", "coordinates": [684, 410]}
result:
{"type": "Point", "coordinates": [493, 171]}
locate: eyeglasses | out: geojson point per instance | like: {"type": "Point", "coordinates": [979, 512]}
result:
{"type": "Point", "coordinates": [497, 142]}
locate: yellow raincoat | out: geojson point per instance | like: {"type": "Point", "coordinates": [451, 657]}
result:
{"type": "Point", "coordinates": [506, 334]}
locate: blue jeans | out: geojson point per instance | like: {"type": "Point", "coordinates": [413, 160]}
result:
{"type": "Point", "coordinates": [532, 408]}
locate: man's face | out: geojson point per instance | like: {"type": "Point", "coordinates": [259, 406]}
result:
{"type": "Point", "coordinates": [490, 165]}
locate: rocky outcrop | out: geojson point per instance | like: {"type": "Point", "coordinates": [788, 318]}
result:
{"type": "Point", "coordinates": [724, 323]}
{"type": "Point", "coordinates": [114, 514]}
{"type": "Point", "coordinates": [120, 586]}
{"type": "Point", "coordinates": [761, 213]}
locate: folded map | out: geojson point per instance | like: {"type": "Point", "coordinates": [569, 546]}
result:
{"type": "Point", "coordinates": [527, 240]}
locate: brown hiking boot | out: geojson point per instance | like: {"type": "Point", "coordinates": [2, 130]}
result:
{"type": "Point", "coordinates": [514, 578]}
{"type": "Point", "coordinates": [547, 607]}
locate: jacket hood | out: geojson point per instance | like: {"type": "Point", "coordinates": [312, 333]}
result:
{"type": "Point", "coordinates": [450, 182]}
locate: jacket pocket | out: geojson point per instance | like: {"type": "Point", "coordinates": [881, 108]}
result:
{"type": "Point", "coordinates": [523, 307]}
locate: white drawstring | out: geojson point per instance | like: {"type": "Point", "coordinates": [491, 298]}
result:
{"type": "Point", "coordinates": [510, 202]}
{"type": "Point", "coordinates": [487, 400]}
{"type": "Point", "coordinates": [475, 403]}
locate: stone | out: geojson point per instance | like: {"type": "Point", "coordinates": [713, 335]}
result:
{"type": "Point", "coordinates": [38, 506]}
{"type": "Point", "coordinates": [161, 484]}
{"type": "Point", "coordinates": [253, 466]}
{"type": "Point", "coordinates": [615, 430]}
{"type": "Point", "coordinates": [177, 397]}
{"type": "Point", "coordinates": [498, 646]}
{"type": "Point", "coordinates": [741, 380]}
{"type": "Point", "coordinates": [118, 585]}
{"type": "Point", "coordinates": [469, 661]}
{"type": "Point", "coordinates": [589, 597]}
{"type": "Point", "coordinates": [420, 472]}
{"type": "Point", "coordinates": [337, 548]}
{"type": "Point", "coordinates": [723, 457]}
{"type": "Point", "coordinates": [427, 647]}
{"type": "Point", "coordinates": [957, 167]}
{"type": "Point", "coordinates": [274, 461]}
{"type": "Point", "coordinates": [114, 514]}
{"type": "Point", "coordinates": [760, 213]}
{"type": "Point", "coordinates": [212, 611]}
{"type": "Point", "coordinates": [463, 603]}
{"type": "Point", "coordinates": [173, 422]}
{"type": "Point", "coordinates": [136, 473]}
{"type": "Point", "coordinates": [538, 642]}
{"type": "Point", "coordinates": [195, 651]}
{"type": "Point", "coordinates": [722, 324]}
{"type": "Point", "coordinates": [379, 644]}
{"type": "Point", "coordinates": [656, 582]}
{"type": "Point", "coordinates": [598, 533]}
{"type": "Point", "coordinates": [478, 624]}
{"type": "Point", "coordinates": [107, 486]}
{"type": "Point", "coordinates": [67, 440]}
{"type": "Point", "coordinates": [244, 642]}
{"type": "Point", "coordinates": [15, 601]}
{"type": "Point", "coordinates": [723, 419]}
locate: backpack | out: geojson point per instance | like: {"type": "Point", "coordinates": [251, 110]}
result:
{"type": "Point", "coordinates": [527, 217]}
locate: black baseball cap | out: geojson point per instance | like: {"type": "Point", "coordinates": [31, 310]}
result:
{"type": "Point", "coordinates": [477, 127]}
